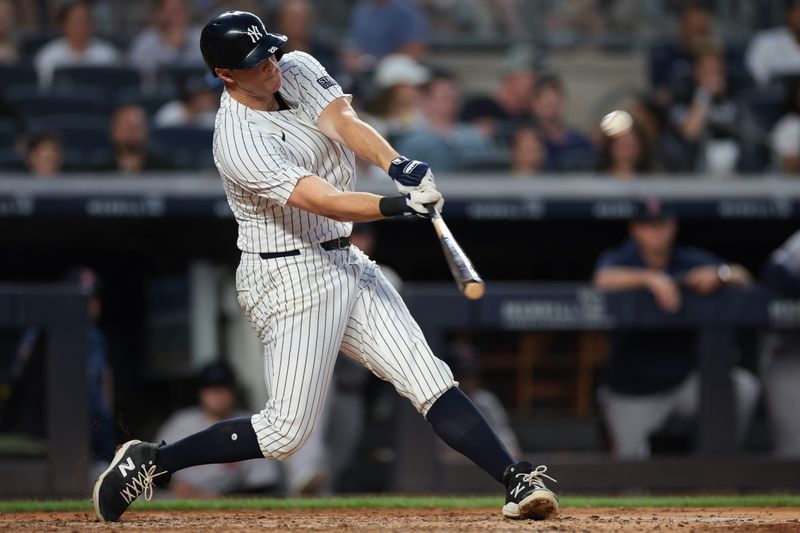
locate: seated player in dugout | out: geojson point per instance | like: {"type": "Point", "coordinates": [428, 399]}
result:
{"type": "Point", "coordinates": [651, 376]}
{"type": "Point", "coordinates": [285, 144]}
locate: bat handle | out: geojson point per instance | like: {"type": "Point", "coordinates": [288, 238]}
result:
{"type": "Point", "coordinates": [432, 211]}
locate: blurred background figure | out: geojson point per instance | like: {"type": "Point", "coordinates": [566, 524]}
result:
{"type": "Point", "coordinates": [379, 28]}
{"type": "Point", "coordinates": [9, 50]}
{"type": "Point", "coordinates": [394, 109]}
{"type": "Point", "coordinates": [45, 155]}
{"type": "Point", "coordinates": [780, 357]}
{"type": "Point", "coordinates": [77, 46]}
{"type": "Point", "coordinates": [216, 400]}
{"type": "Point", "coordinates": [776, 52]}
{"type": "Point", "coordinates": [170, 41]}
{"type": "Point", "coordinates": [472, 17]}
{"type": "Point", "coordinates": [443, 141]}
{"type": "Point", "coordinates": [196, 107]}
{"type": "Point", "coordinates": [625, 156]}
{"type": "Point", "coordinates": [100, 376]}
{"type": "Point", "coordinates": [786, 133]}
{"type": "Point", "coordinates": [651, 377]}
{"type": "Point", "coordinates": [670, 60]}
{"type": "Point", "coordinates": [129, 133]}
{"type": "Point", "coordinates": [528, 154]}
{"type": "Point", "coordinates": [498, 114]}
{"type": "Point", "coordinates": [296, 20]}
{"type": "Point", "coordinates": [710, 121]}
{"type": "Point", "coordinates": [465, 362]}
{"type": "Point", "coordinates": [567, 148]}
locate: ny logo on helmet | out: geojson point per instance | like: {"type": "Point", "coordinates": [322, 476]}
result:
{"type": "Point", "coordinates": [254, 33]}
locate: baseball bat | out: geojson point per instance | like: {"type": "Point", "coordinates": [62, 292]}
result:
{"type": "Point", "coordinates": [467, 278]}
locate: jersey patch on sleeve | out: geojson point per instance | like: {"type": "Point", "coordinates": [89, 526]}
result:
{"type": "Point", "coordinates": [327, 82]}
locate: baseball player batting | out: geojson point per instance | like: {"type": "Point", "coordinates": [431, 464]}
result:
{"type": "Point", "coordinates": [285, 143]}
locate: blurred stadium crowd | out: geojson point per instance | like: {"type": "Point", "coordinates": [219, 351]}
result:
{"type": "Point", "coordinates": [116, 86]}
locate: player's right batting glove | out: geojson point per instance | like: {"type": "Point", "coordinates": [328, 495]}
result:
{"type": "Point", "coordinates": [410, 175]}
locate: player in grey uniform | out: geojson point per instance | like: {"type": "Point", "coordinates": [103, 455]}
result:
{"type": "Point", "coordinates": [284, 144]}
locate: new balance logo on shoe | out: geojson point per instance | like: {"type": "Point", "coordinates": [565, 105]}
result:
{"type": "Point", "coordinates": [516, 490]}
{"type": "Point", "coordinates": [124, 468]}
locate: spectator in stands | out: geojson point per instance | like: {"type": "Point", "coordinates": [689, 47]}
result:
{"type": "Point", "coordinates": [626, 155]}
{"type": "Point", "coordinates": [776, 52]}
{"type": "Point", "coordinates": [196, 107]}
{"type": "Point", "coordinates": [786, 134]}
{"type": "Point", "coordinates": [567, 148]}
{"type": "Point", "coordinates": [216, 401]}
{"type": "Point", "coordinates": [651, 376]}
{"type": "Point", "coordinates": [780, 360]}
{"type": "Point", "coordinates": [77, 46]}
{"type": "Point", "coordinates": [9, 53]}
{"type": "Point", "coordinates": [528, 154]}
{"type": "Point", "coordinates": [443, 141]}
{"type": "Point", "coordinates": [711, 122]}
{"type": "Point", "coordinates": [499, 114]}
{"type": "Point", "coordinates": [487, 18]}
{"type": "Point", "coordinates": [379, 28]}
{"type": "Point", "coordinates": [129, 138]}
{"type": "Point", "coordinates": [170, 41]}
{"type": "Point", "coordinates": [296, 20]}
{"type": "Point", "coordinates": [670, 62]}
{"type": "Point", "coordinates": [45, 158]}
{"type": "Point", "coordinates": [394, 110]}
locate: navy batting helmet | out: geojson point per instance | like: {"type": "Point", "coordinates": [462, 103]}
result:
{"type": "Point", "coordinates": [237, 39]}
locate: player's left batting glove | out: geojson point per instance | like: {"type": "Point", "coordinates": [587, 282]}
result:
{"type": "Point", "coordinates": [419, 200]}
{"type": "Point", "coordinates": [409, 175]}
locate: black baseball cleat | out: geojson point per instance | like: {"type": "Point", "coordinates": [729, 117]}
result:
{"type": "Point", "coordinates": [526, 494]}
{"type": "Point", "coordinates": [132, 472]}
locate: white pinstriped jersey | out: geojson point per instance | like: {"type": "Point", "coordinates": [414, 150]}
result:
{"type": "Point", "coordinates": [261, 155]}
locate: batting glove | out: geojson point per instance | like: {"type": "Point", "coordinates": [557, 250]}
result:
{"type": "Point", "coordinates": [409, 175]}
{"type": "Point", "coordinates": [418, 201]}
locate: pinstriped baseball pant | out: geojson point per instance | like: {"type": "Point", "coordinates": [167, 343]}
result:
{"type": "Point", "coordinates": [306, 308]}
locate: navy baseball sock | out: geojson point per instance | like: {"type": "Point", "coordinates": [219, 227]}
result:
{"type": "Point", "coordinates": [228, 441]}
{"type": "Point", "coordinates": [457, 422]}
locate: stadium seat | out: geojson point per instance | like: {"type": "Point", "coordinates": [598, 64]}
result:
{"type": "Point", "coordinates": [16, 75]}
{"type": "Point", "coordinates": [109, 79]}
{"type": "Point", "coordinates": [8, 132]}
{"type": "Point", "coordinates": [150, 101]}
{"type": "Point", "coordinates": [175, 77]}
{"type": "Point", "coordinates": [30, 102]}
{"type": "Point", "coordinates": [765, 103]}
{"type": "Point", "coordinates": [31, 42]}
{"type": "Point", "coordinates": [86, 141]}
{"type": "Point", "coordinates": [10, 160]}
{"type": "Point", "coordinates": [187, 148]}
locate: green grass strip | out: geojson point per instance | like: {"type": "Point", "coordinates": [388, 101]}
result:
{"type": "Point", "coordinates": [404, 502]}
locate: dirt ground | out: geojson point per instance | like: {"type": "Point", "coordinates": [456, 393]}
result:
{"type": "Point", "coordinates": [580, 519]}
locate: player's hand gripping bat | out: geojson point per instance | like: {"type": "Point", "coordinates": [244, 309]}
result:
{"type": "Point", "coordinates": [467, 278]}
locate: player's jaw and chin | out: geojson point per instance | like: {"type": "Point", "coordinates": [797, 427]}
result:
{"type": "Point", "coordinates": [261, 81]}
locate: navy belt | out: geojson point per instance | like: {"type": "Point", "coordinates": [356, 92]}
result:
{"type": "Point", "coordinates": [328, 246]}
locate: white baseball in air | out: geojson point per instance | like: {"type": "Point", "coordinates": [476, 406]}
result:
{"type": "Point", "coordinates": [616, 123]}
